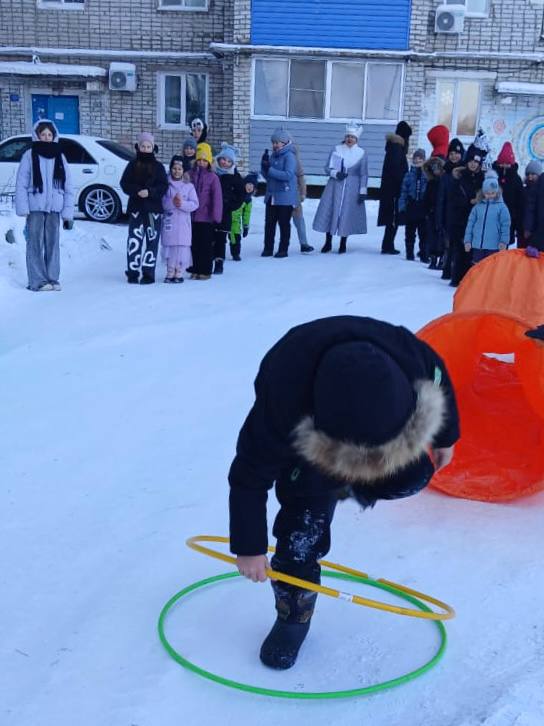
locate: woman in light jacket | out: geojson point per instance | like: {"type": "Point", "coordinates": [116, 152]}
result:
{"type": "Point", "coordinates": [341, 209]}
{"type": "Point", "coordinates": [44, 195]}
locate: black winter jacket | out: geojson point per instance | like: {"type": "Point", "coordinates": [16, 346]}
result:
{"type": "Point", "coordinates": [395, 166]}
{"type": "Point", "coordinates": [444, 188]}
{"type": "Point", "coordinates": [537, 222]}
{"type": "Point", "coordinates": [150, 175]}
{"type": "Point", "coordinates": [512, 192]}
{"type": "Point", "coordinates": [464, 187]}
{"type": "Point", "coordinates": [233, 190]}
{"type": "Point", "coordinates": [284, 395]}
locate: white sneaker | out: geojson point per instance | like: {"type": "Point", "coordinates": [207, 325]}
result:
{"type": "Point", "coordinates": [46, 287]}
{"type": "Point", "coordinates": [56, 286]}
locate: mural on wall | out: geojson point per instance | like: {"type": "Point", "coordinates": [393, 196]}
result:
{"type": "Point", "coordinates": [526, 135]}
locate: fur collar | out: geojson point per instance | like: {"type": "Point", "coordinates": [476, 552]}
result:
{"type": "Point", "coordinates": [360, 463]}
{"type": "Point", "coordinates": [395, 139]}
{"type": "Point", "coordinates": [434, 160]}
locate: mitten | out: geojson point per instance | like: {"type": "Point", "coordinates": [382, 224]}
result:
{"type": "Point", "coordinates": [245, 231]}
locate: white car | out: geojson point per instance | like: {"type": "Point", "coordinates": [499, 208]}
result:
{"type": "Point", "coordinates": [96, 165]}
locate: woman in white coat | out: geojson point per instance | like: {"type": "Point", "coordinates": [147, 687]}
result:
{"type": "Point", "coordinates": [341, 210]}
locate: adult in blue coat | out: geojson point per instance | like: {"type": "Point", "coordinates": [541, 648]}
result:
{"type": "Point", "coordinates": [344, 407]}
{"type": "Point", "coordinates": [281, 195]}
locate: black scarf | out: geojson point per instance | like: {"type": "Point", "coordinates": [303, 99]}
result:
{"type": "Point", "coordinates": [144, 168]}
{"type": "Point", "coordinates": [49, 150]}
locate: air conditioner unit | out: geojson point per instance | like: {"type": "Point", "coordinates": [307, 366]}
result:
{"type": "Point", "coordinates": [122, 77]}
{"type": "Point", "coordinates": [449, 18]}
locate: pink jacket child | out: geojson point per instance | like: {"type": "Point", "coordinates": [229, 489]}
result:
{"type": "Point", "coordinates": [178, 203]}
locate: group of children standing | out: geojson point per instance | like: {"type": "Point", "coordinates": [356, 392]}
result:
{"type": "Point", "coordinates": [462, 213]}
{"type": "Point", "coordinates": [195, 207]}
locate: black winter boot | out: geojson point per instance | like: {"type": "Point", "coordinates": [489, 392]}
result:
{"type": "Point", "coordinates": [433, 263]}
{"type": "Point", "coordinates": [235, 251]}
{"type": "Point", "coordinates": [327, 247]}
{"type": "Point", "coordinates": [342, 248]}
{"type": "Point", "coordinates": [280, 647]}
{"type": "Point", "coordinates": [295, 608]}
{"type": "Point", "coordinates": [218, 267]}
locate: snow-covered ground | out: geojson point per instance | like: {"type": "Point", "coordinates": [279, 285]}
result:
{"type": "Point", "coordinates": [119, 410]}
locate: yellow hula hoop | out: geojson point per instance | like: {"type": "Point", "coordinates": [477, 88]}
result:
{"type": "Point", "coordinates": [448, 614]}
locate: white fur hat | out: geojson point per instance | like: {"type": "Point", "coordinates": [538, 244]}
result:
{"type": "Point", "coordinates": [354, 129]}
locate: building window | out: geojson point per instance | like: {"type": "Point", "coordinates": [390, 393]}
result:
{"type": "Point", "coordinates": [383, 83]}
{"type": "Point", "coordinates": [183, 4]}
{"type": "Point", "coordinates": [458, 105]}
{"type": "Point", "coordinates": [62, 4]}
{"type": "Point", "coordinates": [335, 90]}
{"type": "Point", "coordinates": [182, 97]}
{"type": "Point", "coordinates": [477, 8]}
{"type": "Point", "coordinates": [347, 90]}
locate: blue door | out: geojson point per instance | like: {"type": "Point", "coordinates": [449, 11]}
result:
{"type": "Point", "coordinates": [63, 110]}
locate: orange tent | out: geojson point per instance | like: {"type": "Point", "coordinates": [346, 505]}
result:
{"type": "Point", "coordinates": [498, 375]}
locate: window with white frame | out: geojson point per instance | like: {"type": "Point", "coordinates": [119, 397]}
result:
{"type": "Point", "coordinates": [183, 4]}
{"type": "Point", "coordinates": [62, 4]}
{"type": "Point", "coordinates": [319, 89]}
{"type": "Point", "coordinates": [477, 8]}
{"type": "Point", "coordinates": [458, 105]}
{"type": "Point", "coordinates": [181, 98]}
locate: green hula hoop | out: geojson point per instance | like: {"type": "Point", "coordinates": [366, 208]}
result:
{"type": "Point", "coordinates": [367, 690]}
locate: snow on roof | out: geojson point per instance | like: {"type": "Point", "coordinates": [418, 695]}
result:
{"type": "Point", "coordinates": [27, 68]}
{"type": "Point", "coordinates": [515, 87]}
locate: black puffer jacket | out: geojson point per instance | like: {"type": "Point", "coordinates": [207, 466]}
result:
{"type": "Point", "coordinates": [233, 190]}
{"type": "Point", "coordinates": [464, 187]}
{"type": "Point", "coordinates": [512, 192]}
{"type": "Point", "coordinates": [145, 172]}
{"type": "Point", "coordinates": [395, 166]}
{"type": "Point", "coordinates": [284, 395]}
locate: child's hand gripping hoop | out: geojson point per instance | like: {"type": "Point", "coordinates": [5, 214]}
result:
{"type": "Point", "coordinates": [448, 614]}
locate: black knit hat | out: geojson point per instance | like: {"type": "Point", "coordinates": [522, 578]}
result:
{"type": "Point", "coordinates": [456, 145]}
{"type": "Point", "coordinates": [251, 178]}
{"type": "Point", "coordinates": [474, 154]}
{"type": "Point", "coordinates": [176, 159]}
{"type": "Point", "coordinates": [404, 130]}
{"type": "Point", "coordinates": [361, 395]}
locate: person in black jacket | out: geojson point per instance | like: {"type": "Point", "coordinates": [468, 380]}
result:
{"type": "Point", "coordinates": [535, 225]}
{"type": "Point", "coordinates": [344, 407]}
{"type": "Point", "coordinates": [434, 170]}
{"type": "Point", "coordinates": [533, 172]}
{"type": "Point", "coordinates": [145, 182]}
{"type": "Point", "coordinates": [512, 190]}
{"type": "Point", "coordinates": [233, 191]}
{"type": "Point", "coordinates": [456, 152]}
{"type": "Point", "coordinates": [395, 166]}
{"type": "Point", "coordinates": [467, 182]}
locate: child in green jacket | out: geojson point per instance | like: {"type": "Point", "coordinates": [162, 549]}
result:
{"type": "Point", "coordinates": [242, 216]}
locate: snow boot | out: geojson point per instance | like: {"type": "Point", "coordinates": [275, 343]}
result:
{"type": "Point", "coordinates": [218, 267]}
{"type": "Point", "coordinates": [327, 247]}
{"type": "Point", "coordinates": [295, 608]}
{"type": "Point", "coordinates": [433, 265]}
{"type": "Point", "coordinates": [266, 253]}
{"type": "Point", "coordinates": [235, 250]}
{"type": "Point", "coordinates": [282, 644]}
{"type": "Point", "coordinates": [342, 248]}
{"type": "Point", "coordinates": [280, 254]}
{"type": "Point", "coordinates": [306, 248]}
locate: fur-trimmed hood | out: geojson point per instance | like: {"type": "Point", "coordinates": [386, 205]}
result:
{"type": "Point", "coordinates": [433, 161]}
{"type": "Point", "coordinates": [351, 462]}
{"type": "Point", "coordinates": [394, 139]}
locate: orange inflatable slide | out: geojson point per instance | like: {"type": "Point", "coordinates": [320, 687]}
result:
{"type": "Point", "coordinates": [498, 374]}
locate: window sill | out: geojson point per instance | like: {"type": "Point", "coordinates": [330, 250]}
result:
{"type": "Point", "coordinates": [476, 16]}
{"type": "Point", "coordinates": [297, 119]}
{"type": "Point", "coordinates": [182, 10]}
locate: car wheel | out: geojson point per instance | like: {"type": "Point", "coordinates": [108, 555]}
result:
{"type": "Point", "coordinates": [100, 204]}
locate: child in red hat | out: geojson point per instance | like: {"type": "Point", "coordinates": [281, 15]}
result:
{"type": "Point", "coordinates": [439, 137]}
{"type": "Point", "coordinates": [512, 190]}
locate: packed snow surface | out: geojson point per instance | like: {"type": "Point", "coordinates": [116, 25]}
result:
{"type": "Point", "coordinates": [120, 407]}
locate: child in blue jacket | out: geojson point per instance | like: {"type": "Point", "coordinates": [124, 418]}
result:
{"type": "Point", "coordinates": [488, 228]}
{"type": "Point", "coordinates": [412, 206]}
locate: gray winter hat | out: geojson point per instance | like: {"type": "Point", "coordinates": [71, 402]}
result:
{"type": "Point", "coordinates": [533, 167]}
{"type": "Point", "coordinates": [281, 135]}
{"type": "Point", "coordinates": [419, 154]}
